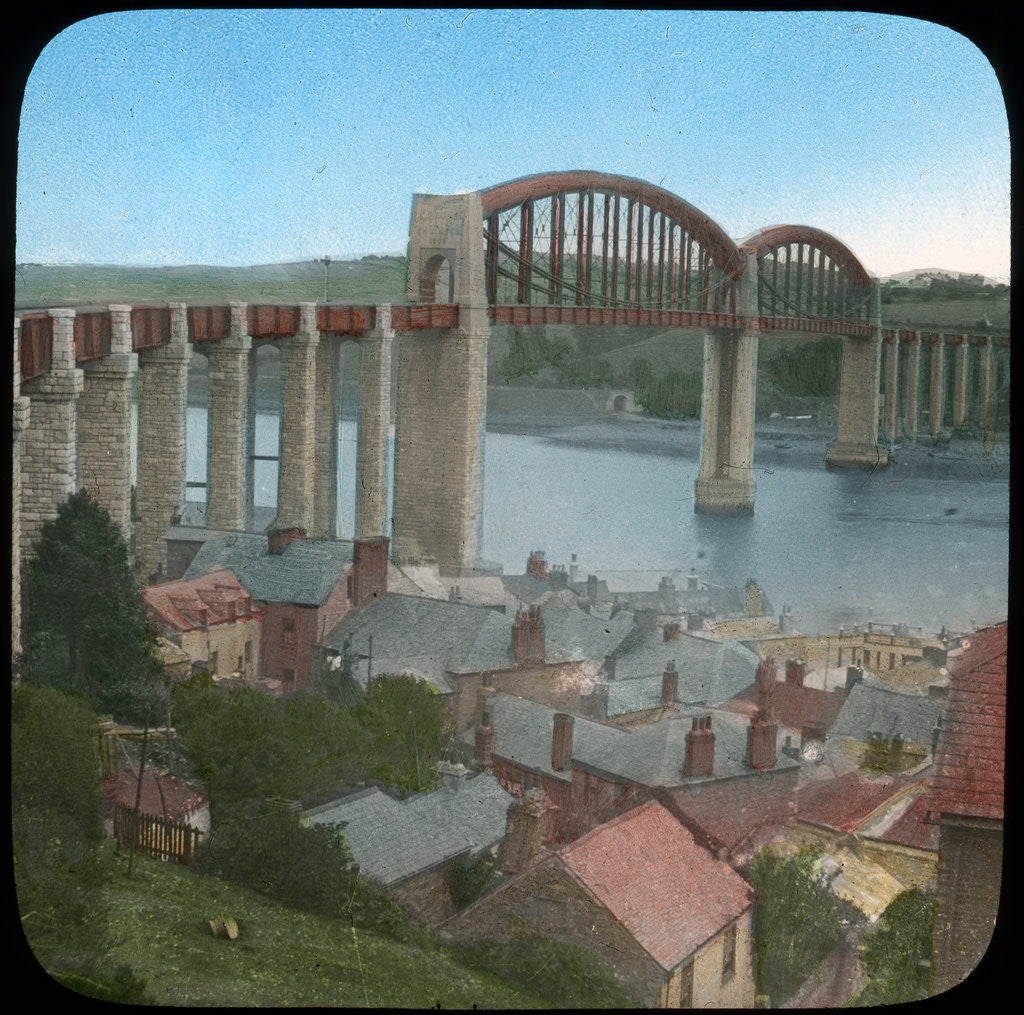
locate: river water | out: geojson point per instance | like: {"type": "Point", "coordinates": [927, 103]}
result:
{"type": "Point", "coordinates": [899, 545]}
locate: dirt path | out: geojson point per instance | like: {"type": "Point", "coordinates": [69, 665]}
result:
{"type": "Point", "coordinates": [840, 977]}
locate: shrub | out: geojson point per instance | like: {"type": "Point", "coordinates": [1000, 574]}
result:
{"type": "Point", "coordinates": [896, 954]}
{"type": "Point", "coordinates": [796, 924]}
{"type": "Point", "coordinates": [565, 975]}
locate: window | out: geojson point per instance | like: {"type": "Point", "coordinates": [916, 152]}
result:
{"type": "Point", "coordinates": [288, 633]}
{"type": "Point", "coordinates": [729, 954]}
{"type": "Point", "coordinates": [213, 662]}
{"type": "Point", "coordinates": [686, 986]}
{"type": "Point", "coordinates": [248, 652]}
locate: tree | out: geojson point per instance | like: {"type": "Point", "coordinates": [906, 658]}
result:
{"type": "Point", "coordinates": [84, 624]}
{"type": "Point", "coordinates": [896, 954]}
{"type": "Point", "coordinates": [408, 728]}
{"type": "Point", "coordinates": [796, 924]}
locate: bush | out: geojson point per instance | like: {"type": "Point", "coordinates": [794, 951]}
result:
{"type": "Point", "coordinates": [796, 925]}
{"type": "Point", "coordinates": [565, 975]}
{"type": "Point", "coordinates": [896, 955]}
{"type": "Point", "coordinates": [809, 369]}
{"type": "Point", "coordinates": [469, 879]}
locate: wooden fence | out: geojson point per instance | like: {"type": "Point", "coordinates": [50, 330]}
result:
{"type": "Point", "coordinates": [147, 833]}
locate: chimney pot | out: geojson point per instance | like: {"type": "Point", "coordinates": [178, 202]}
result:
{"type": "Point", "coordinates": [278, 539]}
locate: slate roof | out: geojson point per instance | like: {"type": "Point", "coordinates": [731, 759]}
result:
{"type": "Point", "coordinates": [668, 892]}
{"type": "Point", "coordinates": [304, 573]}
{"type": "Point", "coordinates": [651, 755]}
{"type": "Point", "coordinates": [394, 839]}
{"type": "Point", "coordinates": [434, 637]}
{"type": "Point", "coordinates": [710, 672]}
{"type": "Point", "coordinates": [971, 755]}
{"type": "Point", "coordinates": [428, 638]}
{"type": "Point", "coordinates": [189, 605]}
{"type": "Point", "coordinates": [870, 708]}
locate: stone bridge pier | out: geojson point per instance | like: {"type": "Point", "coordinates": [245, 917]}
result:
{"type": "Point", "coordinates": [442, 390]}
{"type": "Point", "coordinates": [725, 480]}
{"type": "Point", "coordinates": [859, 397]}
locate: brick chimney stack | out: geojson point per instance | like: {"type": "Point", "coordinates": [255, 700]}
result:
{"type": "Point", "coordinates": [795, 671]}
{"type": "Point", "coordinates": [537, 566]}
{"type": "Point", "coordinates": [671, 631]}
{"type": "Point", "coordinates": [669, 685]}
{"type": "Point", "coordinates": [524, 832]}
{"type": "Point", "coordinates": [766, 676]}
{"type": "Point", "coordinates": [278, 539]}
{"type": "Point", "coordinates": [561, 741]}
{"type": "Point", "coordinates": [528, 638]}
{"type": "Point", "coordinates": [700, 748]}
{"type": "Point", "coordinates": [762, 741]}
{"type": "Point", "coordinates": [486, 742]}
{"type": "Point", "coordinates": [368, 576]}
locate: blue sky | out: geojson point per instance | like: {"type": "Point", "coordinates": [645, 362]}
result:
{"type": "Point", "coordinates": [245, 137]}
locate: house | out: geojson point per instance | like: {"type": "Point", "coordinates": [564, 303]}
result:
{"type": "Point", "coordinates": [409, 845]}
{"type": "Point", "coordinates": [211, 619]}
{"type": "Point", "coordinates": [688, 669]}
{"type": "Point", "coordinates": [714, 771]}
{"type": "Point", "coordinates": [884, 729]}
{"type": "Point", "coordinates": [673, 923]}
{"type": "Point", "coordinates": [552, 654]}
{"type": "Point", "coordinates": [805, 714]}
{"type": "Point", "coordinates": [304, 586]}
{"type": "Point", "coordinates": [967, 805]}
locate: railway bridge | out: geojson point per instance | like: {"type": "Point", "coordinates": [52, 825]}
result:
{"type": "Point", "coordinates": [579, 248]}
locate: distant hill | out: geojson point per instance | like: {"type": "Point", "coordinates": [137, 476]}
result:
{"type": "Point", "coordinates": [909, 276]}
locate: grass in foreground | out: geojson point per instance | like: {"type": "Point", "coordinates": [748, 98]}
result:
{"type": "Point", "coordinates": [282, 957]}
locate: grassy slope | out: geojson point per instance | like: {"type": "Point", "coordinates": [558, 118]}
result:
{"type": "Point", "coordinates": [282, 957]}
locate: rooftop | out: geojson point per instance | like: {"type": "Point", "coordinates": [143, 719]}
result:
{"type": "Point", "coordinates": [970, 759]}
{"type": "Point", "coordinates": [870, 708]}
{"type": "Point", "coordinates": [651, 755]}
{"type": "Point", "coordinates": [203, 601]}
{"type": "Point", "coordinates": [304, 572]}
{"type": "Point", "coordinates": [393, 839]}
{"type": "Point", "coordinates": [163, 795]}
{"type": "Point", "coordinates": [667, 891]}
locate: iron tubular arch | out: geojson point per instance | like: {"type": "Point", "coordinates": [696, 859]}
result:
{"type": "Point", "coordinates": [806, 272]}
{"type": "Point", "coordinates": [601, 240]}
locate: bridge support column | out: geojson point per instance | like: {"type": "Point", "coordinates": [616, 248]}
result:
{"type": "Point", "coordinates": [49, 448]}
{"type": "Point", "coordinates": [442, 393]}
{"type": "Point", "coordinates": [725, 481]}
{"type": "Point", "coordinates": [227, 503]}
{"type": "Point", "coordinates": [20, 414]}
{"type": "Point", "coordinates": [988, 394]}
{"type": "Point", "coordinates": [856, 443]}
{"type": "Point", "coordinates": [374, 424]}
{"type": "Point", "coordinates": [297, 467]}
{"type": "Point", "coordinates": [892, 385]}
{"type": "Point", "coordinates": [163, 409]}
{"type": "Point", "coordinates": [913, 346]}
{"type": "Point", "coordinates": [960, 380]}
{"type": "Point", "coordinates": [937, 385]}
{"type": "Point", "coordinates": [105, 421]}
{"type": "Point", "coordinates": [328, 417]}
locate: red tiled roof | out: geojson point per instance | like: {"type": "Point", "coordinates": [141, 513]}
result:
{"type": "Point", "coordinates": [163, 795]}
{"type": "Point", "coordinates": [844, 802]}
{"type": "Point", "coordinates": [971, 755]}
{"type": "Point", "coordinates": [667, 891]}
{"type": "Point", "coordinates": [793, 706]}
{"type": "Point", "coordinates": [916, 827]}
{"type": "Point", "coordinates": [215, 598]}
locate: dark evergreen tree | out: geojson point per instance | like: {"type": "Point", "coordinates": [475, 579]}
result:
{"type": "Point", "coordinates": [84, 624]}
